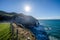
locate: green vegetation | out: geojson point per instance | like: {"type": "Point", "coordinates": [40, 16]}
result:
{"type": "Point", "coordinates": [5, 31]}
{"type": "Point", "coordinates": [8, 15]}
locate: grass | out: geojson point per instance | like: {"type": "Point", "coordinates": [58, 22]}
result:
{"type": "Point", "coordinates": [4, 31]}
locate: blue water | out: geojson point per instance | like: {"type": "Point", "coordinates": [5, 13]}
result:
{"type": "Point", "coordinates": [52, 27]}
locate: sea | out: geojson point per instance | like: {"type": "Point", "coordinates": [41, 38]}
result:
{"type": "Point", "coordinates": [52, 28]}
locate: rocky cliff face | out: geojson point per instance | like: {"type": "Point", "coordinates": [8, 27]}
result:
{"type": "Point", "coordinates": [32, 24]}
{"type": "Point", "coordinates": [21, 33]}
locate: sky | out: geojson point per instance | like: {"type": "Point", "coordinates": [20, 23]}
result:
{"type": "Point", "coordinates": [40, 9]}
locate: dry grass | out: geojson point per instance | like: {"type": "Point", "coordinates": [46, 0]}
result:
{"type": "Point", "coordinates": [23, 33]}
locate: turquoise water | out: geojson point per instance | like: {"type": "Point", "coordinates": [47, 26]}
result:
{"type": "Point", "coordinates": [52, 28]}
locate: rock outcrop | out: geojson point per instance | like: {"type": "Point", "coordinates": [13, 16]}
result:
{"type": "Point", "coordinates": [32, 24]}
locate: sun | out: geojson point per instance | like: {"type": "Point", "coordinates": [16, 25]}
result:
{"type": "Point", "coordinates": [27, 8]}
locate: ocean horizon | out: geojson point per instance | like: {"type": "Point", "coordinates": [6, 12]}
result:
{"type": "Point", "coordinates": [52, 28]}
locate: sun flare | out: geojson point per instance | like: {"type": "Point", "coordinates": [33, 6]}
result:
{"type": "Point", "coordinates": [27, 8]}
